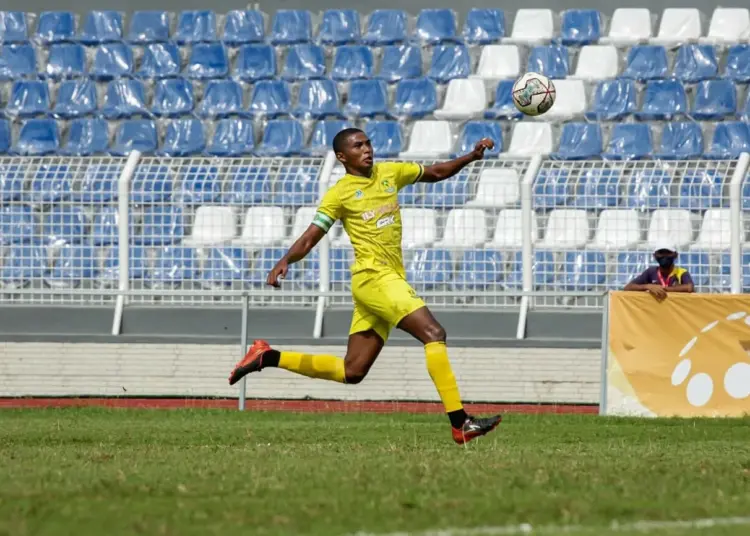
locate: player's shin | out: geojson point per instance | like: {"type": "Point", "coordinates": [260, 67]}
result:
{"type": "Point", "coordinates": [442, 376]}
{"type": "Point", "coordinates": [323, 366]}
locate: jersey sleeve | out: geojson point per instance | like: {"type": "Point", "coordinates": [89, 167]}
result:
{"type": "Point", "coordinates": [329, 210]}
{"type": "Point", "coordinates": [407, 173]}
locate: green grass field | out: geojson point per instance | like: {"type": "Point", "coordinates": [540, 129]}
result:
{"type": "Point", "coordinates": [122, 472]}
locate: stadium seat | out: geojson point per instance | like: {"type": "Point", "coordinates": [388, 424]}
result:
{"type": "Point", "coordinates": [339, 26]}
{"type": "Point", "coordinates": [447, 194]}
{"type": "Point", "coordinates": [663, 99]}
{"type": "Point", "coordinates": [86, 137]}
{"type": "Point", "coordinates": [386, 27]}
{"type": "Point", "coordinates": [99, 184]}
{"type": "Point", "coordinates": [18, 224]}
{"type": "Point", "coordinates": [160, 60]}
{"type": "Point", "coordinates": [297, 186]}
{"type": "Point", "coordinates": [580, 27]}
{"type": "Point", "coordinates": [550, 60]}
{"type": "Point", "coordinates": [646, 62]}
{"type": "Point", "coordinates": [532, 26]}
{"type": "Point", "coordinates": [597, 62]}
{"type": "Point", "coordinates": [728, 25]}
{"type": "Point", "coordinates": [135, 135]}
{"type": "Point", "coordinates": [248, 185]}
{"type": "Point", "coordinates": [449, 62]}
{"type": "Point", "coordinates": [291, 26]}
{"type": "Point", "coordinates": [173, 266]}
{"type": "Point", "coordinates": [714, 100]}
{"type": "Point", "coordinates": [429, 269]}
{"type": "Point", "coordinates": [208, 60]}
{"type": "Point", "coordinates": [566, 229]}
{"type": "Point", "coordinates": [579, 141]}
{"type": "Point", "coordinates": [105, 231]}
{"type": "Point", "coordinates": [65, 225]}
{"type": "Point", "coordinates": [415, 98]}
{"type": "Point", "coordinates": [698, 265]}
{"type": "Point", "coordinates": [503, 106]}
{"type": "Point", "coordinates": [28, 98]}
{"type": "Point", "coordinates": [678, 25]}
{"type": "Point", "coordinates": [583, 270]}
{"type": "Point", "coordinates": [529, 139]}
{"type": "Point", "coordinates": [50, 184]}
{"type": "Point", "coordinates": [744, 113]}
{"type": "Point", "coordinates": [162, 224]}
{"type": "Point", "coordinates": [183, 137]}
{"type": "Point", "coordinates": [473, 131]}
{"type": "Point", "coordinates": [23, 263]}
{"type": "Point", "coordinates": [270, 98]}
{"type": "Point", "coordinates": [386, 137]}
{"type": "Point", "coordinates": [212, 226]}
{"type": "Point", "coordinates": [263, 227]}
{"type": "Point", "coordinates": [196, 27]}
{"type": "Point", "coordinates": [484, 26]}
{"type": "Point", "coordinates": [617, 229]}
{"type": "Point", "coordinates": [400, 62]}
{"type": "Point", "coordinates": [266, 259]}
{"type": "Point", "coordinates": [509, 229]}
{"type": "Point", "coordinates": [479, 269]}
{"type": "Point", "coordinates": [464, 228]}
{"type": "Point", "coordinates": [112, 60]}
{"type": "Point", "coordinates": [367, 98]}
{"type": "Point", "coordinates": [570, 103]}
{"type": "Point", "coordinates": [321, 139]}
{"type": "Point", "coordinates": [244, 26]}
{"type": "Point", "coordinates": [225, 266]}
{"type": "Point", "coordinates": [232, 137]}
{"type": "Point", "coordinates": [55, 27]}
{"type": "Point", "coordinates": [281, 137]}
{"type": "Point", "coordinates": [701, 190]}
{"type": "Point", "coordinates": [430, 139]}
{"type": "Point", "coordinates": [649, 189]}
{"type": "Point", "coordinates": [14, 27]}
{"type": "Point", "coordinates": [341, 259]}
{"type": "Point", "coordinates": [419, 227]}
{"type": "Point", "coordinates": [436, 26]}
{"type": "Point", "coordinates": [353, 62]}
{"type": "Point", "coordinates": [221, 98]}
{"type": "Point", "coordinates": [303, 62]}
{"type": "Point", "coordinates": [629, 141]}
{"type": "Point", "coordinates": [4, 139]}
{"type": "Point", "coordinates": [629, 26]}
{"type": "Point", "coordinates": [694, 63]}
{"type": "Point", "coordinates": [496, 188]}
{"type": "Point", "coordinates": [101, 27]}
{"type": "Point", "coordinates": [543, 271]}
{"type": "Point", "coordinates": [498, 61]}
{"type": "Point", "coordinates": [173, 97]}
{"type": "Point", "coordinates": [629, 265]}
{"type": "Point", "coordinates": [730, 139]}
{"type": "Point", "coordinates": [152, 183]}
{"type": "Point", "coordinates": [738, 63]}
{"type": "Point", "coordinates": [65, 60]}
{"type": "Point", "coordinates": [464, 99]}
{"type": "Point", "coordinates": [124, 98]}
{"type": "Point", "coordinates": [199, 183]}
{"type": "Point", "coordinates": [551, 188]}
{"type": "Point", "coordinates": [255, 62]}
{"type": "Point", "coordinates": [715, 232]}
{"type": "Point", "coordinates": [37, 137]}
{"type": "Point", "coordinates": [17, 61]}
{"type": "Point", "coordinates": [681, 141]}
{"type": "Point", "coordinates": [302, 218]}
{"type": "Point", "coordinates": [149, 27]}
{"type": "Point", "coordinates": [317, 99]}
{"type": "Point", "coordinates": [670, 225]}
{"type": "Point", "coordinates": [614, 100]}
{"type": "Point", "coordinates": [598, 188]}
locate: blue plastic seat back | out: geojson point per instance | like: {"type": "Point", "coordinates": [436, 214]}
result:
{"type": "Point", "coordinates": [24, 262]}
{"type": "Point", "coordinates": [714, 100]}
{"type": "Point", "coordinates": [367, 98]}
{"type": "Point", "coordinates": [694, 63]}
{"type": "Point", "coordinates": [65, 225]}
{"type": "Point", "coordinates": [174, 265]}
{"type": "Point", "coordinates": [51, 183]}
{"type": "Point", "coordinates": [386, 138]}
{"type": "Point", "coordinates": [580, 27]}
{"type": "Point", "coordinates": [738, 63]}
{"type": "Point", "coordinates": [226, 265]}
{"type": "Point", "coordinates": [649, 189]}
{"type": "Point", "coordinates": [551, 60]}
{"type": "Point", "coordinates": [400, 62]}
{"type": "Point", "coordinates": [584, 270]}
{"type": "Point", "coordinates": [267, 258]}
{"type": "Point", "coordinates": [701, 190]}
{"type": "Point", "coordinates": [580, 141]}
{"type": "Point", "coordinates": [17, 61]}
{"type": "Point", "coordinates": [386, 27]}
{"type": "Point", "coordinates": [135, 134]}
{"type": "Point", "coordinates": [281, 137]}
{"type": "Point", "coordinates": [124, 98]}
{"type": "Point", "coordinates": [663, 99]}
{"type": "Point", "coordinates": [17, 224]}
{"type": "Point", "coordinates": [646, 62]}
{"type": "Point", "coordinates": [152, 183]}
{"type": "Point", "coordinates": [730, 139]}
{"type": "Point", "coordinates": [629, 265]}
{"type": "Point", "coordinates": [232, 137]}
{"type": "Point", "coordinates": [415, 98]}
{"type": "Point", "coordinates": [448, 194]}
{"type": "Point", "coordinates": [480, 269]}
{"type": "Point", "coordinates": [248, 185]}
{"type": "Point", "coordinates": [474, 131]}
{"type": "Point", "coordinates": [14, 27]}
{"type": "Point", "coordinates": [55, 27]}
{"type": "Point", "coordinates": [436, 25]}
{"type": "Point", "coordinates": [208, 60]}
{"type": "Point", "coordinates": [12, 179]}
{"type": "Point", "coordinates": [200, 184]}
{"type": "Point", "coordinates": [149, 27]}
{"type": "Point", "coordinates": [484, 26]}
{"type": "Point", "coordinates": [429, 268]}
{"type": "Point", "coordinates": [196, 26]}
{"type": "Point", "coordinates": [100, 181]}
{"type": "Point", "coordinates": [74, 263]}
{"type": "Point", "coordinates": [87, 137]}
{"type": "Point", "coordinates": [37, 137]}
{"type": "Point", "coordinates": [352, 62]}
{"type": "Point", "coordinates": [221, 98]}
{"type": "Point", "coordinates": [173, 97]}
{"type": "Point", "coordinates": [551, 188]}
{"type": "Point", "coordinates": [65, 60]}
{"type": "Point", "coordinates": [137, 261]}
{"type": "Point", "coordinates": [614, 100]}
{"type": "Point", "coordinates": [5, 141]}
{"type": "Point", "coordinates": [244, 26]}
{"type": "Point", "coordinates": [503, 106]}
{"type": "Point", "coordinates": [598, 189]}
{"type": "Point", "coordinates": [629, 141]}
{"type": "Point", "coordinates": [28, 98]}
{"type": "Point", "coordinates": [339, 26]}
{"type": "Point", "coordinates": [543, 270]}
{"type": "Point", "coordinates": [160, 60]}
{"type": "Point", "coordinates": [270, 98]}
{"type": "Point", "coordinates": [255, 62]}
{"type": "Point", "coordinates": [184, 137]}
{"type": "Point", "coordinates": [291, 26]}
{"type": "Point", "coordinates": [112, 60]}
{"type": "Point", "coordinates": [341, 260]}
{"type": "Point", "coordinates": [297, 186]}
{"type": "Point", "coordinates": [698, 265]}
{"type": "Point", "coordinates": [322, 136]}
{"type": "Point", "coordinates": [101, 27]}
{"type": "Point", "coordinates": [162, 224]}
{"type": "Point", "coordinates": [449, 62]}
{"type": "Point", "coordinates": [304, 61]}
{"type": "Point", "coordinates": [318, 98]}
{"type": "Point", "coordinates": [681, 140]}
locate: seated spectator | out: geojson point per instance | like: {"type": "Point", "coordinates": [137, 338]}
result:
{"type": "Point", "coordinates": [664, 278]}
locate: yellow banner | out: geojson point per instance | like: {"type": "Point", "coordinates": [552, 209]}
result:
{"type": "Point", "coordinates": [686, 356]}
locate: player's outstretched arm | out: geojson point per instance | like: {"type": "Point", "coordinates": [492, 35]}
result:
{"type": "Point", "coordinates": [296, 253]}
{"type": "Point", "coordinates": [445, 170]}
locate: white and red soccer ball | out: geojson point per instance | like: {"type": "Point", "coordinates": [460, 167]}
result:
{"type": "Point", "coordinates": [534, 94]}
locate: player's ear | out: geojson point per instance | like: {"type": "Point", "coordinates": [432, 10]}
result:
{"type": "Point", "coordinates": [341, 158]}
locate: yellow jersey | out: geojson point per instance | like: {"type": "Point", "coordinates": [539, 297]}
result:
{"type": "Point", "coordinates": [368, 207]}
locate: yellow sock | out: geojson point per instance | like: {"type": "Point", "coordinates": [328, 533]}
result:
{"type": "Point", "coordinates": [325, 367]}
{"type": "Point", "coordinates": [442, 375]}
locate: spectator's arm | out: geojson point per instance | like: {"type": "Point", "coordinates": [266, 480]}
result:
{"type": "Point", "coordinates": [686, 285]}
{"type": "Point", "coordinates": [639, 283]}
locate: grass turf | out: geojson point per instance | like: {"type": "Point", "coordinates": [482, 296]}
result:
{"type": "Point", "coordinates": [89, 471]}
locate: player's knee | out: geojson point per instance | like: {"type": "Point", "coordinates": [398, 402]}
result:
{"type": "Point", "coordinates": [354, 375]}
{"type": "Point", "coordinates": [434, 333]}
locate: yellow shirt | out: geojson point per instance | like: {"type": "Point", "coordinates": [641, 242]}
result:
{"type": "Point", "coordinates": [368, 208]}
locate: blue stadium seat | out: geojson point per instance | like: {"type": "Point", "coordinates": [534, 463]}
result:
{"type": "Point", "coordinates": [55, 27]}
{"type": "Point", "coordinates": [65, 225]}
{"type": "Point", "coordinates": [86, 137]}
{"type": "Point", "coordinates": [598, 189]}
{"type": "Point", "coordinates": [386, 27]}
{"type": "Point", "coordinates": [322, 136]}
{"type": "Point", "coordinates": [14, 28]}
{"type": "Point", "coordinates": [160, 60]}
{"type": "Point", "coordinates": [4, 136]}
{"type": "Point", "coordinates": [149, 27]}
{"type": "Point", "coordinates": [244, 26]}
{"type": "Point", "coordinates": [436, 26]}
{"type": "Point", "coordinates": [28, 98]}
{"type": "Point", "coordinates": [614, 100]}
{"type": "Point", "coordinates": [386, 137]}
{"type": "Point", "coordinates": [701, 190]}
{"type": "Point", "coordinates": [200, 184]}
{"type": "Point", "coordinates": [400, 62]}
{"type": "Point", "coordinates": [135, 135]}
{"type": "Point", "coordinates": [503, 107]}
{"type": "Point", "coordinates": [291, 26]}
{"type": "Point", "coordinates": [99, 184]}
{"type": "Point", "coordinates": [450, 194]}
{"type": "Point", "coordinates": [340, 267]}
{"type": "Point", "coordinates": [449, 62]}
{"type": "Point", "coordinates": [352, 62]}
{"type": "Point", "coordinates": [281, 137]}
{"type": "Point", "coordinates": [112, 60]}
{"type": "Point", "coordinates": [255, 62]}
{"type": "Point", "coordinates": [23, 263]}
{"type": "Point", "coordinates": [317, 99]}
{"type": "Point", "coordinates": [101, 27]}
{"type": "Point", "coordinates": [552, 188]}
{"type": "Point", "coordinates": [629, 265]}
{"type": "Point", "coordinates": [694, 63]}
{"type": "Point", "coordinates": [124, 98]}
{"type": "Point", "coordinates": [681, 141]}
{"type": "Point", "coordinates": [303, 62]}
{"type": "Point", "coordinates": [646, 62]}
{"type": "Point", "coordinates": [738, 63]}
{"type": "Point", "coordinates": [17, 61]}
{"type": "Point", "coordinates": [339, 26]}
{"type": "Point", "coordinates": [74, 265]}
{"type": "Point", "coordinates": [270, 98]}
{"type": "Point", "coordinates": [17, 225]}
{"type": "Point", "coordinates": [415, 98]}
{"type": "Point", "coordinates": [173, 266]}
{"type": "Point", "coordinates": [429, 269]}
{"type": "Point", "coordinates": [479, 269]}
{"type": "Point", "coordinates": [232, 137]}
{"type": "Point", "coordinates": [50, 184]}
{"type": "Point", "coordinates": [579, 141]}
{"type": "Point", "coordinates": [225, 266]}
{"type": "Point", "coordinates": [367, 98]}
{"type": "Point", "coordinates": [551, 60]}
{"type": "Point", "coordinates": [65, 60]}
{"type": "Point", "coordinates": [297, 186]}
{"type": "Point", "coordinates": [267, 258]}
{"type": "Point", "coordinates": [38, 137]}
{"type": "Point", "coordinates": [649, 189]}
{"type": "Point", "coordinates": [474, 131]}
{"type": "Point", "coordinates": [162, 224]}
{"type": "Point", "coordinates": [208, 60]}
{"type": "Point", "coordinates": [110, 272]}
{"type": "Point", "coordinates": [543, 271]}
{"type": "Point", "coordinates": [583, 270]}
{"type": "Point", "coordinates": [730, 139]}
{"type": "Point", "coordinates": [196, 27]}
{"type": "Point", "coordinates": [484, 26]}
{"type": "Point", "coordinates": [698, 265]}
{"type": "Point", "coordinates": [744, 113]}
{"type": "Point", "coordinates": [173, 97]}
{"type": "Point", "coordinates": [105, 231]}
{"type": "Point", "coordinates": [221, 98]}
{"type": "Point", "coordinates": [152, 183]}
{"type": "Point", "coordinates": [184, 137]}
{"type": "Point", "coordinates": [629, 141]}
{"type": "Point", "coordinates": [663, 99]}
{"type": "Point", "coordinates": [714, 100]}
{"type": "Point", "coordinates": [248, 185]}
{"type": "Point", "coordinates": [580, 27]}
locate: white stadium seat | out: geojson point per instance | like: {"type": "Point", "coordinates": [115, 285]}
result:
{"type": "Point", "coordinates": [497, 188]}
{"type": "Point", "coordinates": [498, 62]}
{"type": "Point", "coordinates": [419, 227]}
{"type": "Point", "coordinates": [617, 229]}
{"type": "Point", "coordinates": [530, 138]}
{"type": "Point", "coordinates": [678, 25]}
{"type": "Point", "coordinates": [212, 226]}
{"type": "Point", "coordinates": [728, 25]}
{"type": "Point", "coordinates": [567, 228]}
{"type": "Point", "coordinates": [629, 26]}
{"type": "Point", "coordinates": [264, 226]}
{"type": "Point", "coordinates": [670, 225]}
{"type": "Point", "coordinates": [532, 26]}
{"type": "Point", "coordinates": [430, 139]}
{"type": "Point", "coordinates": [570, 102]}
{"type": "Point", "coordinates": [715, 231]}
{"type": "Point", "coordinates": [597, 62]}
{"type": "Point", "coordinates": [302, 220]}
{"type": "Point", "coordinates": [508, 230]}
{"type": "Point", "coordinates": [465, 228]}
{"type": "Point", "coordinates": [339, 238]}
{"type": "Point", "coordinates": [464, 99]}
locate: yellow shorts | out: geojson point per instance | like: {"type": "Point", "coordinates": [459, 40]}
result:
{"type": "Point", "coordinates": [381, 301]}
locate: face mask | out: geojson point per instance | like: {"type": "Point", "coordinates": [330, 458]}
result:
{"type": "Point", "coordinates": [665, 262]}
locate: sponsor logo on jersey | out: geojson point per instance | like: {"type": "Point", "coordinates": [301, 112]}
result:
{"type": "Point", "coordinates": [359, 194]}
{"type": "Point", "coordinates": [387, 186]}
{"type": "Point", "coordinates": [376, 213]}
{"type": "Point", "coordinates": [385, 222]}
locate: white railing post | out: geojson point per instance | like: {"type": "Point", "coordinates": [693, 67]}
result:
{"type": "Point", "coordinates": [324, 249]}
{"type": "Point", "coordinates": [735, 222]}
{"type": "Point", "coordinates": [123, 246]}
{"type": "Point", "coordinates": [527, 253]}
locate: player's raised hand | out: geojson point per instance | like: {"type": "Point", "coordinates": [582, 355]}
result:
{"type": "Point", "coordinates": [481, 146]}
{"type": "Point", "coordinates": [277, 272]}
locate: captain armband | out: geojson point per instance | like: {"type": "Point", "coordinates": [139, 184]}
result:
{"type": "Point", "coordinates": [323, 221]}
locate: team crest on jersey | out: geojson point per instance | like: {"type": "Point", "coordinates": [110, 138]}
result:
{"type": "Point", "coordinates": [387, 186]}
{"type": "Point", "coordinates": [359, 194]}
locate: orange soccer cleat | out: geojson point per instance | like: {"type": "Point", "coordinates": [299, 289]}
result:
{"type": "Point", "coordinates": [252, 362]}
{"type": "Point", "coordinates": [474, 427]}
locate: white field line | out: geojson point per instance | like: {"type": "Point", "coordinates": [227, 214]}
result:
{"type": "Point", "coordinates": [643, 526]}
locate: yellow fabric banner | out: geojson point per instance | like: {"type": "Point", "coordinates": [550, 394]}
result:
{"type": "Point", "coordinates": [686, 356]}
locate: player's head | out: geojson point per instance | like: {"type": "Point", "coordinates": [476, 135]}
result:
{"type": "Point", "coordinates": [354, 150]}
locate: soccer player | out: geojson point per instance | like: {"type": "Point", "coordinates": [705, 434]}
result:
{"type": "Point", "coordinates": [366, 201]}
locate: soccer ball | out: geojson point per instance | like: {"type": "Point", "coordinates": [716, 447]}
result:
{"type": "Point", "coordinates": [533, 94]}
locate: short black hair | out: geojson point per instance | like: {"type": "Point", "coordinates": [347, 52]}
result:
{"type": "Point", "coordinates": [339, 138]}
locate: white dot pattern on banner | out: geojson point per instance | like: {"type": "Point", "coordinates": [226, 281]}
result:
{"type": "Point", "coordinates": [737, 380]}
{"type": "Point", "coordinates": [737, 316]}
{"type": "Point", "coordinates": [747, 320]}
{"type": "Point", "coordinates": [710, 326]}
{"type": "Point", "coordinates": [700, 388]}
{"type": "Point", "coordinates": [681, 372]}
{"type": "Point", "coordinates": [689, 346]}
